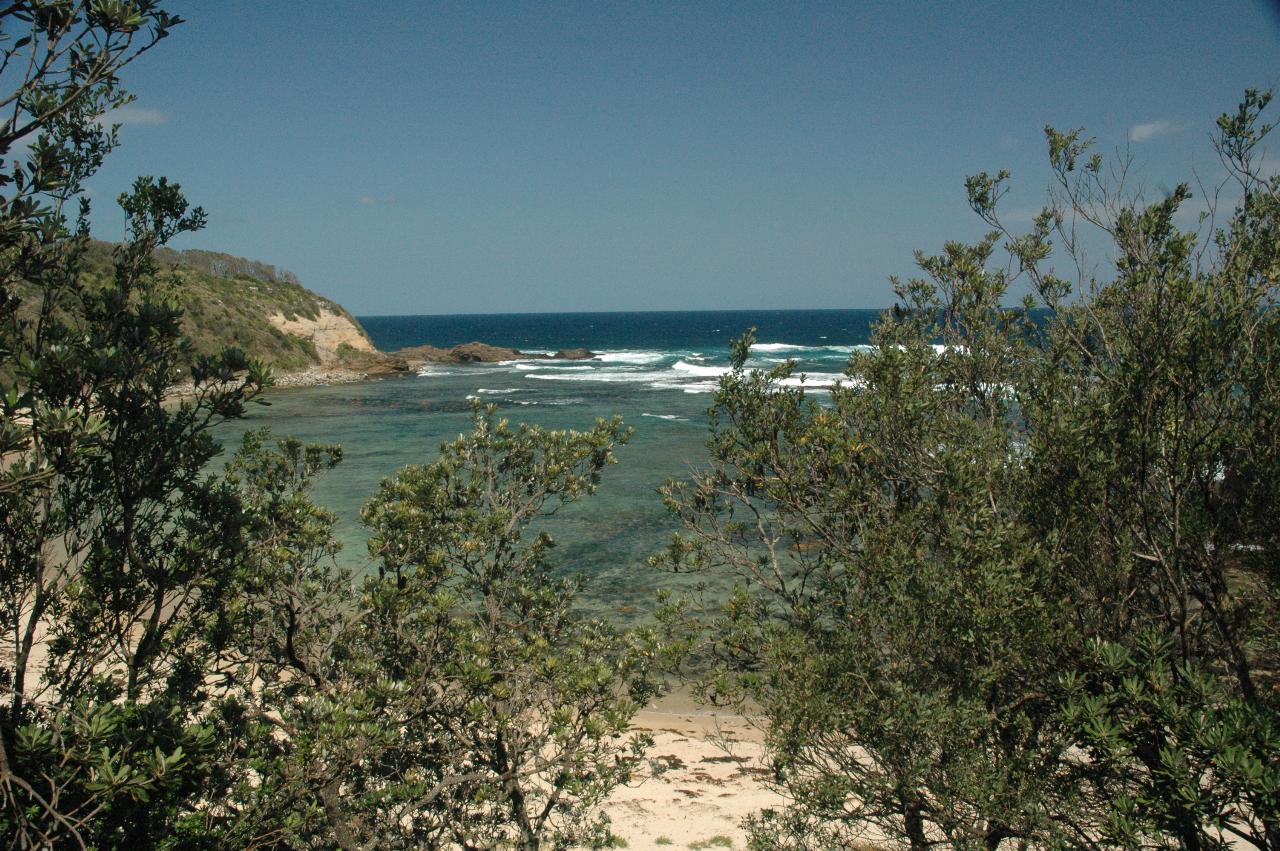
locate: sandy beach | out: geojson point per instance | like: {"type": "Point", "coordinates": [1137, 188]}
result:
{"type": "Point", "coordinates": [708, 780]}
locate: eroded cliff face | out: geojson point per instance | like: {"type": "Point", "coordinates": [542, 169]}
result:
{"type": "Point", "coordinates": [327, 332]}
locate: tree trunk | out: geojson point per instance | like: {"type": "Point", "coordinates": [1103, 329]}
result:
{"type": "Point", "coordinates": [343, 835]}
{"type": "Point", "coordinates": [1272, 832]}
{"type": "Point", "coordinates": [913, 821]}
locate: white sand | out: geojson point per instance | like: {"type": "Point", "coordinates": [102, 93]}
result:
{"type": "Point", "coordinates": [711, 783]}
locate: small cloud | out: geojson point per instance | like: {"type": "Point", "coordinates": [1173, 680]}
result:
{"type": "Point", "coordinates": [137, 116]}
{"type": "Point", "coordinates": [373, 201]}
{"type": "Point", "coordinates": [1146, 132]}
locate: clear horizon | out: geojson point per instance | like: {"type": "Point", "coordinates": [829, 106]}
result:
{"type": "Point", "coordinates": [525, 158]}
{"type": "Point", "coordinates": [653, 310]}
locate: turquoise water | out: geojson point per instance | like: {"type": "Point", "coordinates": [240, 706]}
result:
{"type": "Point", "coordinates": [657, 371]}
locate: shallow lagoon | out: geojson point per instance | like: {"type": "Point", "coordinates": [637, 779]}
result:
{"type": "Point", "coordinates": [385, 425]}
{"type": "Point", "coordinates": [662, 390]}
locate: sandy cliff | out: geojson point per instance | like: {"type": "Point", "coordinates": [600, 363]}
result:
{"type": "Point", "coordinates": [327, 333]}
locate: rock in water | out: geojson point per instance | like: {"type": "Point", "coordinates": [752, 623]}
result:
{"type": "Point", "coordinates": [574, 354]}
{"type": "Point", "coordinates": [482, 353]}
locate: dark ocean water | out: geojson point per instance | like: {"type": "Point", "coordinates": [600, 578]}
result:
{"type": "Point", "coordinates": [656, 370]}
{"type": "Point", "coordinates": [657, 330]}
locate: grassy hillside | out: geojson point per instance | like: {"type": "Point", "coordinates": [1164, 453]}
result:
{"type": "Point", "coordinates": [229, 301]}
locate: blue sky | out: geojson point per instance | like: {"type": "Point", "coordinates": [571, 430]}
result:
{"type": "Point", "coordinates": [406, 157]}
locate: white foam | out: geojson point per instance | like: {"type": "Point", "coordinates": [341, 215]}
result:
{"type": "Point", "coordinates": [541, 364]}
{"type": "Point", "coordinates": [696, 370]}
{"type": "Point", "coordinates": [490, 391]}
{"type": "Point", "coordinates": [1002, 389]}
{"type": "Point", "coordinates": [687, 386]}
{"type": "Point", "coordinates": [776, 347]}
{"type": "Point", "coordinates": [668, 417]}
{"type": "Point", "coordinates": [796, 347]}
{"type": "Point", "coordinates": [682, 375]}
{"type": "Point", "coordinates": [557, 402]}
{"type": "Point", "coordinates": [630, 357]}
{"type": "Point", "coordinates": [809, 381]}
{"type": "Point", "coordinates": [608, 375]}
{"type": "Point", "coordinates": [813, 379]}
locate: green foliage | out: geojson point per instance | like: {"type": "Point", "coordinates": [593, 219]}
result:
{"type": "Point", "coordinates": [889, 592]}
{"type": "Point", "coordinates": [456, 700]}
{"type": "Point", "coordinates": [291, 707]}
{"type": "Point", "coordinates": [223, 301]}
{"type": "Point", "coordinates": [183, 663]}
{"type": "Point", "coordinates": [717, 841]}
{"type": "Point", "coordinates": [354, 358]}
{"type": "Point", "coordinates": [1020, 589]}
{"type": "Point", "coordinates": [535, 698]}
{"type": "Point", "coordinates": [1169, 452]}
{"type": "Point", "coordinates": [116, 550]}
{"type": "Point", "coordinates": [1173, 745]}
{"type": "Point", "coordinates": [228, 301]}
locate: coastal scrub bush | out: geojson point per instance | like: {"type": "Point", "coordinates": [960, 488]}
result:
{"type": "Point", "coordinates": [183, 662]}
{"type": "Point", "coordinates": [117, 550]}
{"type": "Point", "coordinates": [1014, 583]}
{"type": "Point", "coordinates": [456, 699]}
{"type": "Point", "coordinates": [531, 699]}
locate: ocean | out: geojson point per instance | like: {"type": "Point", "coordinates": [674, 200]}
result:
{"type": "Point", "coordinates": [657, 370]}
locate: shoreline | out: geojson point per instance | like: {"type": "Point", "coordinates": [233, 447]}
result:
{"type": "Point", "coordinates": [296, 379]}
{"type": "Point", "coordinates": [328, 376]}
{"type": "Point", "coordinates": [377, 365]}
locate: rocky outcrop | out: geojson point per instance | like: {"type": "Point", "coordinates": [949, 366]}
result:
{"type": "Point", "coordinates": [416, 356]}
{"type": "Point", "coordinates": [330, 333]}
{"type": "Point", "coordinates": [574, 354]}
{"type": "Point", "coordinates": [347, 355]}
{"type": "Point", "coordinates": [482, 353]}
